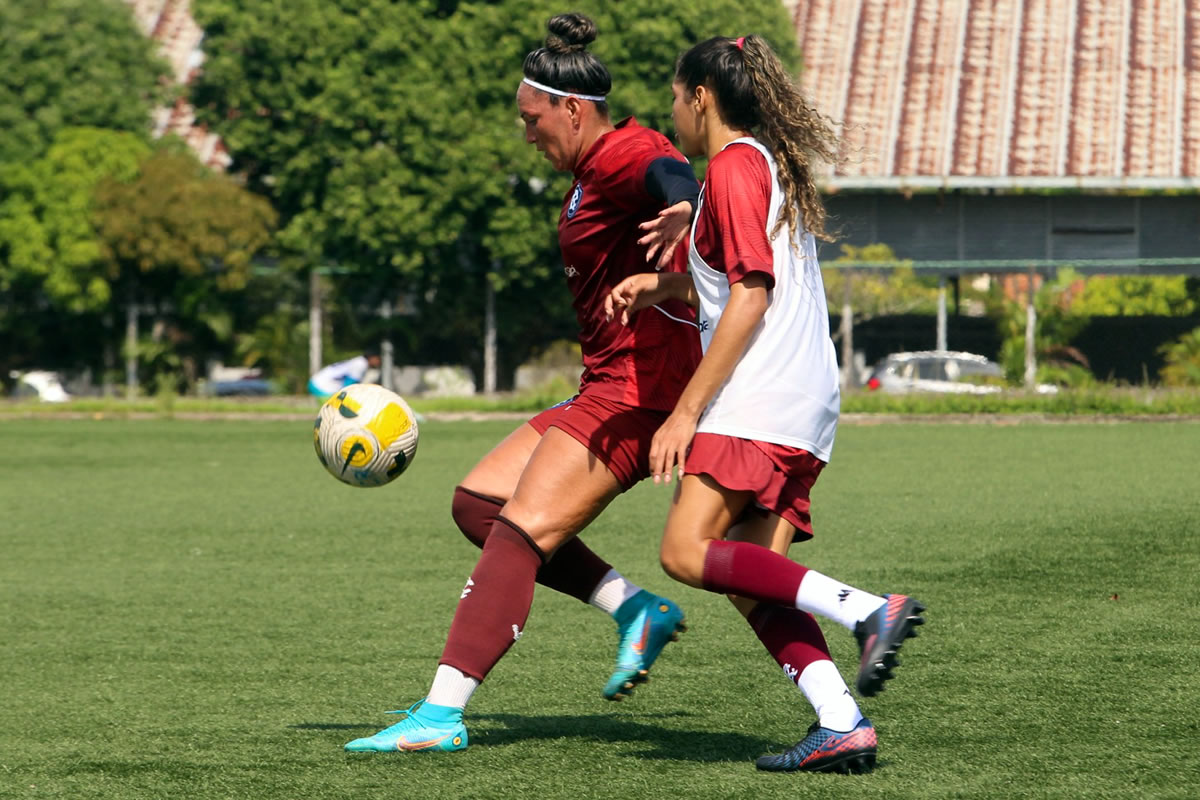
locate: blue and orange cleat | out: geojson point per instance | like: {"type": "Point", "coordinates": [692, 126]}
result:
{"type": "Point", "coordinates": [879, 638]}
{"type": "Point", "coordinates": [438, 728]}
{"type": "Point", "coordinates": [645, 623]}
{"type": "Point", "coordinates": [825, 750]}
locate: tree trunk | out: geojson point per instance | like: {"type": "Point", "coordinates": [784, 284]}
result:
{"type": "Point", "coordinates": [314, 322]}
{"type": "Point", "coordinates": [131, 332]}
{"type": "Point", "coordinates": [108, 358]}
{"type": "Point", "coordinates": [941, 313]}
{"type": "Point", "coordinates": [489, 339]}
{"type": "Point", "coordinates": [385, 348]}
{"type": "Point", "coordinates": [849, 379]}
{"type": "Point", "coordinates": [1030, 336]}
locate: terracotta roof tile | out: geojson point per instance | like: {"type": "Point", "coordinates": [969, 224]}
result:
{"type": "Point", "coordinates": [170, 23]}
{"type": "Point", "coordinates": [1008, 89]}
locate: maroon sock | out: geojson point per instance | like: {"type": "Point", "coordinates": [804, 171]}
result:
{"type": "Point", "coordinates": [474, 513]}
{"type": "Point", "coordinates": [791, 636]}
{"type": "Point", "coordinates": [574, 570]}
{"type": "Point", "coordinates": [495, 602]}
{"type": "Point", "coordinates": [752, 571]}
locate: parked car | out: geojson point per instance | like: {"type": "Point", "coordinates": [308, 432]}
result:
{"type": "Point", "coordinates": [936, 371]}
{"type": "Point", "coordinates": [235, 381]}
{"type": "Point", "coordinates": [40, 383]}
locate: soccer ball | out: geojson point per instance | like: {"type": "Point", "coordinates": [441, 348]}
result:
{"type": "Point", "coordinates": [365, 435]}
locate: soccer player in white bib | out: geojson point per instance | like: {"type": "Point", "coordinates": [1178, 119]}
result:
{"type": "Point", "coordinates": [331, 379]}
{"type": "Point", "coordinates": [755, 425]}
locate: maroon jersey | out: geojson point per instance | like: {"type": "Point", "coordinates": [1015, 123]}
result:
{"type": "Point", "coordinates": [647, 363]}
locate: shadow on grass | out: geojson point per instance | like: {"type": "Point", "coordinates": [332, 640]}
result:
{"type": "Point", "coordinates": [649, 740]}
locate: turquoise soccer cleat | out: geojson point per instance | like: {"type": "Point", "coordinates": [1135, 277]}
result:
{"type": "Point", "coordinates": [645, 623]}
{"type": "Point", "coordinates": [438, 728]}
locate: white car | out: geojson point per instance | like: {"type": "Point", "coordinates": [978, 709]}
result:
{"type": "Point", "coordinates": [936, 371]}
{"type": "Point", "coordinates": [42, 384]}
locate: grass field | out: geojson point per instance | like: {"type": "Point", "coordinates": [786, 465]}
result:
{"type": "Point", "coordinates": [196, 610]}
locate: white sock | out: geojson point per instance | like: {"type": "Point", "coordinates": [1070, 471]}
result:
{"type": "Point", "coordinates": [835, 600]}
{"type": "Point", "coordinates": [612, 591]}
{"type": "Point", "coordinates": [822, 684]}
{"type": "Point", "coordinates": [451, 688]}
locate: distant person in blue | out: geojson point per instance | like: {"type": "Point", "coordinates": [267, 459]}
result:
{"type": "Point", "coordinates": [332, 379]}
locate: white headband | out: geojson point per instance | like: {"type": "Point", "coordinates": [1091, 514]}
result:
{"type": "Point", "coordinates": [595, 98]}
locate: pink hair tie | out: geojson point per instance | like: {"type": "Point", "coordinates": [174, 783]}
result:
{"type": "Point", "coordinates": [741, 41]}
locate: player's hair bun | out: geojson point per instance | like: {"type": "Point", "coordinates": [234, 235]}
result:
{"type": "Point", "coordinates": [570, 33]}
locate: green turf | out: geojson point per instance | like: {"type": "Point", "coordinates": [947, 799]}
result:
{"type": "Point", "coordinates": [196, 610]}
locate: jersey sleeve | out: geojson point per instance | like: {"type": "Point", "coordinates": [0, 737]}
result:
{"type": "Point", "coordinates": [622, 174]}
{"type": "Point", "coordinates": [737, 198]}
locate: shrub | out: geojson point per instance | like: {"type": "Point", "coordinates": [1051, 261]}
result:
{"type": "Point", "coordinates": [1182, 360]}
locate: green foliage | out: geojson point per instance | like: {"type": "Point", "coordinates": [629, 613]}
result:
{"type": "Point", "coordinates": [179, 236]}
{"type": "Point", "coordinates": [386, 134]}
{"type": "Point", "coordinates": [73, 63]}
{"type": "Point", "coordinates": [878, 292]}
{"type": "Point", "coordinates": [1182, 360]}
{"type": "Point", "coordinates": [1057, 325]}
{"type": "Point", "coordinates": [179, 217]}
{"type": "Point", "coordinates": [1136, 295]}
{"type": "Point", "coordinates": [1090, 400]}
{"type": "Point", "coordinates": [278, 344]}
{"type": "Point", "coordinates": [47, 240]}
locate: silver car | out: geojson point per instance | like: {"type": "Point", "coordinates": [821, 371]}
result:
{"type": "Point", "coordinates": [936, 371]}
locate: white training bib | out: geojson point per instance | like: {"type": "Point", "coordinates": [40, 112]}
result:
{"type": "Point", "coordinates": [784, 389]}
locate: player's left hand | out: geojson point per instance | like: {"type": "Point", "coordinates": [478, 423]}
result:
{"type": "Point", "coordinates": [665, 232]}
{"type": "Point", "coordinates": [633, 294]}
{"type": "Point", "coordinates": [670, 445]}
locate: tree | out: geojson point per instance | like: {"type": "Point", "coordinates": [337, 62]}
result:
{"type": "Point", "coordinates": [73, 63]}
{"type": "Point", "coordinates": [386, 133]}
{"type": "Point", "coordinates": [877, 292]}
{"type": "Point", "coordinates": [1183, 360]}
{"type": "Point", "coordinates": [176, 237]}
{"type": "Point", "coordinates": [1057, 325]}
{"type": "Point", "coordinates": [179, 220]}
{"type": "Point", "coordinates": [48, 246]}
{"type": "Point", "coordinates": [1137, 295]}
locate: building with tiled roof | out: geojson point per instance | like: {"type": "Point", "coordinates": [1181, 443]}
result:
{"type": "Point", "coordinates": [170, 23]}
{"type": "Point", "coordinates": [1008, 93]}
{"type": "Point", "coordinates": [1022, 131]}
{"type": "Point", "coordinates": [1012, 137]}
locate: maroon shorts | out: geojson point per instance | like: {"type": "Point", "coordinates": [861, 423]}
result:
{"type": "Point", "coordinates": [617, 434]}
{"type": "Point", "coordinates": [779, 476]}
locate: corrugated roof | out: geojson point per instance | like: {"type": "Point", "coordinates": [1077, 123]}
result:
{"type": "Point", "coordinates": [1007, 93]}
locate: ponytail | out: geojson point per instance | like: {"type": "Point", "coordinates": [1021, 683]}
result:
{"type": "Point", "coordinates": [755, 93]}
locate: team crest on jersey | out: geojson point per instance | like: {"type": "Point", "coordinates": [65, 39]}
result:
{"type": "Point", "coordinates": [576, 199]}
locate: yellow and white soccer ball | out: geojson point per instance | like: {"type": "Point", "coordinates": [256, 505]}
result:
{"type": "Point", "coordinates": [365, 435]}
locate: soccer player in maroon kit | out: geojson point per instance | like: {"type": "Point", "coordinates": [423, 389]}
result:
{"type": "Point", "coordinates": [525, 501]}
{"type": "Point", "coordinates": [756, 423]}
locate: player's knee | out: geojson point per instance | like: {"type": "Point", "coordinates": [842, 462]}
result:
{"type": "Point", "coordinates": [547, 528]}
{"type": "Point", "coordinates": [474, 514]}
{"type": "Point", "coordinates": [681, 563]}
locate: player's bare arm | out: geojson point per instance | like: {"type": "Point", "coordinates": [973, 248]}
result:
{"type": "Point", "coordinates": [646, 289]}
